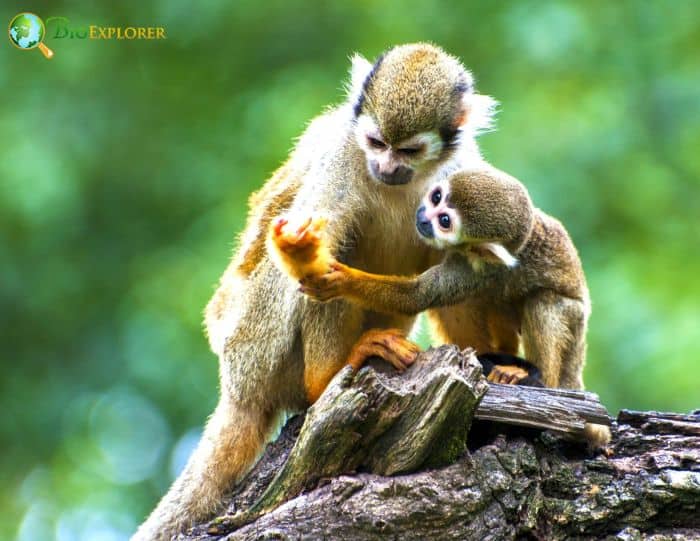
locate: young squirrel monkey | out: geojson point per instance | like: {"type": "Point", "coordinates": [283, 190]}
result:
{"type": "Point", "coordinates": [364, 165]}
{"type": "Point", "coordinates": [512, 268]}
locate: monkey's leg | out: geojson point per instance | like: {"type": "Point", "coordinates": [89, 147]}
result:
{"type": "Point", "coordinates": [330, 336]}
{"type": "Point", "coordinates": [504, 329]}
{"type": "Point", "coordinates": [475, 324]}
{"type": "Point", "coordinates": [320, 364]}
{"type": "Point", "coordinates": [547, 329]}
{"type": "Point", "coordinates": [463, 324]}
{"type": "Point", "coordinates": [329, 332]}
{"type": "Point", "coordinates": [554, 339]}
{"type": "Point", "coordinates": [232, 439]}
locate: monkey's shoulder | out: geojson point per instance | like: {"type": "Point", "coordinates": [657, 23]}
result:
{"type": "Point", "coordinates": [550, 259]}
{"type": "Point", "coordinates": [550, 241]}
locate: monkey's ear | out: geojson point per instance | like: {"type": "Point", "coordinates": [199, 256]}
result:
{"type": "Point", "coordinates": [359, 71]}
{"type": "Point", "coordinates": [480, 110]}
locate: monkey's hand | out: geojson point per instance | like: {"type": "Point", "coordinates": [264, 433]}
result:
{"type": "Point", "coordinates": [334, 283]}
{"type": "Point", "coordinates": [300, 250]}
{"type": "Point", "coordinates": [509, 373]}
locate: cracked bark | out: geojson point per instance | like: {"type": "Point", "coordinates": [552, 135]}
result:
{"type": "Point", "coordinates": [382, 456]}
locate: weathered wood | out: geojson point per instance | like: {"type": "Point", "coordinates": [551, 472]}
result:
{"type": "Point", "coordinates": [381, 421]}
{"type": "Point", "coordinates": [554, 409]}
{"type": "Point", "coordinates": [513, 485]}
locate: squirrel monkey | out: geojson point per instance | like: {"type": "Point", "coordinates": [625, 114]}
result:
{"type": "Point", "coordinates": [364, 165]}
{"type": "Point", "coordinates": [513, 269]}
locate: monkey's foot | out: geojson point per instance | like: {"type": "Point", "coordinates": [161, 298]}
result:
{"type": "Point", "coordinates": [301, 243]}
{"type": "Point", "coordinates": [389, 344]}
{"type": "Point", "coordinates": [507, 373]}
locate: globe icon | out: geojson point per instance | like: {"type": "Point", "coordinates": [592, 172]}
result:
{"type": "Point", "coordinates": [27, 32]}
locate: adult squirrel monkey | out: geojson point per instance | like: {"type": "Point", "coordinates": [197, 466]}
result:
{"type": "Point", "coordinates": [511, 277]}
{"type": "Point", "coordinates": [364, 165]}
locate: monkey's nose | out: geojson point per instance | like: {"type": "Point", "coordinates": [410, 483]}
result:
{"type": "Point", "coordinates": [423, 224]}
{"type": "Point", "coordinates": [392, 176]}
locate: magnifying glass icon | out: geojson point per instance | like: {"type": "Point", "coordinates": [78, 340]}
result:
{"type": "Point", "coordinates": [27, 32]}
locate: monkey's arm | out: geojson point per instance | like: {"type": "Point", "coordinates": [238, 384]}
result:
{"type": "Point", "coordinates": [448, 283]}
{"type": "Point", "coordinates": [306, 256]}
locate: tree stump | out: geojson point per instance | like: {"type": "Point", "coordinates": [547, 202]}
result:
{"type": "Point", "coordinates": [384, 456]}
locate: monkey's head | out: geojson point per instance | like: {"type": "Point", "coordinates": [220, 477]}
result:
{"type": "Point", "coordinates": [411, 107]}
{"type": "Point", "coordinates": [485, 212]}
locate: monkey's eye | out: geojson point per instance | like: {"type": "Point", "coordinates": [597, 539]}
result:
{"type": "Point", "coordinates": [375, 143]}
{"type": "Point", "coordinates": [445, 221]}
{"type": "Point", "coordinates": [436, 197]}
{"type": "Point", "coordinates": [409, 151]}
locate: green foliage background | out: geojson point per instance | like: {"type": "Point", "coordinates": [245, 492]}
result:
{"type": "Point", "coordinates": [124, 173]}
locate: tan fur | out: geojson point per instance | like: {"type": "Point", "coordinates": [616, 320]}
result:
{"type": "Point", "coordinates": [504, 215]}
{"type": "Point", "coordinates": [273, 199]}
{"type": "Point", "coordinates": [541, 304]}
{"type": "Point", "coordinates": [277, 348]}
{"type": "Point", "coordinates": [434, 104]}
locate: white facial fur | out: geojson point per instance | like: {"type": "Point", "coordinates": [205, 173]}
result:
{"type": "Point", "coordinates": [480, 112]}
{"type": "Point", "coordinates": [411, 152]}
{"type": "Point", "coordinates": [437, 211]}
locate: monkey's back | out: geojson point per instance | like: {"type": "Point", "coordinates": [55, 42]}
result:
{"type": "Point", "coordinates": [548, 260]}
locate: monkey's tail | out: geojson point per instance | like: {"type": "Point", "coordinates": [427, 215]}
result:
{"type": "Point", "coordinates": [232, 439]}
{"type": "Point", "coordinates": [598, 436]}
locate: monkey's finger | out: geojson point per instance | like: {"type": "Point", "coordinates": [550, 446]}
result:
{"type": "Point", "coordinates": [405, 349]}
{"type": "Point", "coordinates": [279, 225]}
{"type": "Point", "coordinates": [405, 354]}
{"type": "Point", "coordinates": [338, 266]}
{"type": "Point", "coordinates": [379, 346]}
{"type": "Point", "coordinates": [317, 224]}
{"type": "Point", "coordinates": [325, 296]}
{"type": "Point", "coordinates": [398, 336]}
{"type": "Point", "coordinates": [330, 283]}
{"type": "Point", "coordinates": [519, 376]}
{"type": "Point", "coordinates": [395, 341]}
{"type": "Point", "coordinates": [375, 349]}
{"type": "Point", "coordinates": [307, 237]}
{"type": "Point", "coordinates": [390, 356]}
{"type": "Point", "coordinates": [304, 226]}
{"type": "Point", "coordinates": [508, 374]}
{"type": "Point", "coordinates": [320, 295]}
{"type": "Point", "coordinates": [495, 376]}
{"type": "Point", "coordinates": [511, 379]}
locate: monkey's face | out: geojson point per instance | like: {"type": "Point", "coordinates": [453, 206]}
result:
{"type": "Point", "coordinates": [396, 163]}
{"type": "Point", "coordinates": [439, 223]}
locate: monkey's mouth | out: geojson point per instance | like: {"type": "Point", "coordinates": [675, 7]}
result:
{"type": "Point", "coordinates": [400, 176]}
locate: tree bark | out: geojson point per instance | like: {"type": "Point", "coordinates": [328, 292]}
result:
{"type": "Point", "coordinates": [426, 455]}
